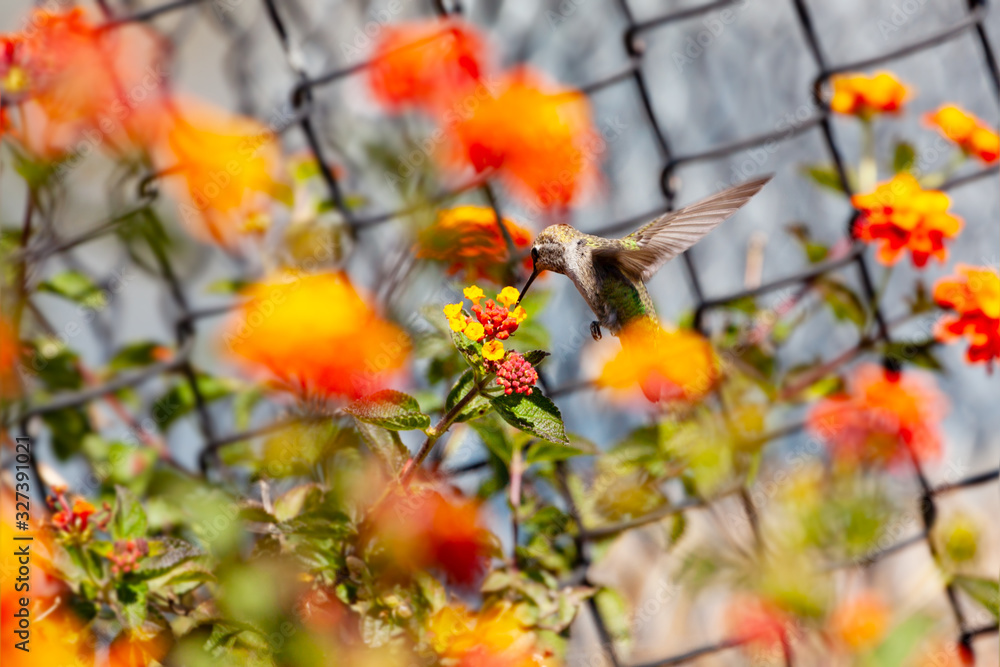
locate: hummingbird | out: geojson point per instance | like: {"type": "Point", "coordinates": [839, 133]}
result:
{"type": "Point", "coordinates": [611, 274]}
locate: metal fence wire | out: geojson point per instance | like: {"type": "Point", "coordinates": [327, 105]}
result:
{"type": "Point", "coordinates": [303, 117]}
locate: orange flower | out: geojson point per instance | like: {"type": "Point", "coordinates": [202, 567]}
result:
{"type": "Point", "coordinates": [317, 336]}
{"type": "Point", "coordinates": [881, 415]}
{"type": "Point", "coordinates": [421, 528]}
{"type": "Point", "coordinates": [10, 357]}
{"type": "Point", "coordinates": [900, 215]}
{"type": "Point", "coordinates": [756, 620]}
{"type": "Point", "coordinates": [669, 365]}
{"type": "Point", "coordinates": [860, 623]}
{"type": "Point", "coordinates": [971, 134]}
{"type": "Point", "coordinates": [974, 294]}
{"type": "Point", "coordinates": [221, 168]}
{"type": "Point", "coordinates": [82, 87]}
{"type": "Point", "coordinates": [864, 96]}
{"type": "Point", "coordinates": [426, 64]}
{"type": "Point", "coordinates": [131, 649]}
{"type": "Point", "coordinates": [469, 241]}
{"type": "Point", "coordinates": [494, 637]}
{"type": "Point", "coordinates": [539, 137]}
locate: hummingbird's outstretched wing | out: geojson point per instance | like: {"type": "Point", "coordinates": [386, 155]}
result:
{"type": "Point", "coordinates": [644, 251]}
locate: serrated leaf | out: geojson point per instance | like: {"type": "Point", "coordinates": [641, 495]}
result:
{"type": "Point", "coordinates": [475, 408]}
{"type": "Point", "coordinates": [470, 349]}
{"type": "Point", "coordinates": [389, 409]}
{"type": "Point", "coordinates": [984, 591]}
{"type": "Point", "coordinates": [165, 554]}
{"type": "Point", "coordinates": [131, 607]}
{"type": "Point", "coordinates": [534, 414]}
{"type": "Point", "coordinates": [904, 156]}
{"type": "Point", "coordinates": [384, 444]}
{"type": "Point", "coordinates": [535, 357]}
{"type": "Point", "coordinates": [130, 518]}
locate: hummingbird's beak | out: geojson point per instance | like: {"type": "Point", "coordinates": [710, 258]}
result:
{"type": "Point", "coordinates": [524, 290]}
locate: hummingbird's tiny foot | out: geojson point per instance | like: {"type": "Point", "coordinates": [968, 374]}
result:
{"type": "Point", "coordinates": [595, 330]}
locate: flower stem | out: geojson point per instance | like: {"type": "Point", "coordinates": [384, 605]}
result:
{"type": "Point", "coordinates": [868, 169]}
{"type": "Point", "coordinates": [439, 429]}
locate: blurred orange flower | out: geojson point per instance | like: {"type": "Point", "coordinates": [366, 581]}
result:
{"type": "Point", "coordinates": [900, 215]}
{"type": "Point", "coordinates": [426, 65]}
{"type": "Point", "coordinates": [10, 357]}
{"type": "Point", "coordinates": [756, 620]}
{"type": "Point", "coordinates": [864, 96]}
{"type": "Point", "coordinates": [974, 295]}
{"type": "Point", "coordinates": [861, 623]}
{"type": "Point", "coordinates": [78, 86]}
{"type": "Point", "coordinates": [469, 241]}
{"type": "Point", "coordinates": [317, 336]}
{"type": "Point", "coordinates": [971, 134]}
{"type": "Point", "coordinates": [881, 414]}
{"type": "Point", "coordinates": [668, 364]}
{"type": "Point", "coordinates": [221, 167]}
{"type": "Point", "coordinates": [539, 138]}
{"type": "Point", "coordinates": [422, 528]}
{"type": "Point", "coordinates": [492, 638]}
{"type": "Point", "coordinates": [132, 649]}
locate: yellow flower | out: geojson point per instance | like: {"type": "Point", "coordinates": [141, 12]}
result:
{"type": "Point", "coordinates": [473, 293]}
{"type": "Point", "coordinates": [456, 324]}
{"type": "Point", "coordinates": [493, 350]}
{"type": "Point", "coordinates": [508, 296]}
{"type": "Point", "coordinates": [452, 310]}
{"type": "Point", "coordinates": [520, 314]}
{"type": "Point", "coordinates": [475, 331]}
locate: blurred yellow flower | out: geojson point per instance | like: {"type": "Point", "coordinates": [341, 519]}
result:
{"type": "Point", "coordinates": [317, 336]}
{"type": "Point", "coordinates": [468, 240]}
{"type": "Point", "coordinates": [475, 331]}
{"type": "Point", "coordinates": [860, 623]}
{"type": "Point", "coordinates": [493, 350]}
{"type": "Point", "coordinates": [669, 365]}
{"type": "Point", "coordinates": [864, 96]}
{"type": "Point", "coordinates": [494, 636]}
{"type": "Point", "coordinates": [452, 310]}
{"type": "Point", "coordinates": [972, 135]}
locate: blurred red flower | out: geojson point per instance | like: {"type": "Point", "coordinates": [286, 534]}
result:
{"type": "Point", "coordinates": [972, 135]}
{"type": "Point", "coordinates": [880, 415]}
{"type": "Point", "coordinates": [974, 295]}
{"type": "Point", "coordinates": [426, 65]}
{"type": "Point", "coordinates": [316, 335]}
{"type": "Point", "coordinates": [756, 620]}
{"type": "Point", "coordinates": [900, 215]}
{"type": "Point", "coordinates": [10, 358]}
{"type": "Point", "coordinates": [423, 528]}
{"type": "Point", "coordinates": [539, 138]}
{"type": "Point", "coordinates": [469, 241]}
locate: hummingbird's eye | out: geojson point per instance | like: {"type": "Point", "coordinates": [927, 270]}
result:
{"type": "Point", "coordinates": [534, 254]}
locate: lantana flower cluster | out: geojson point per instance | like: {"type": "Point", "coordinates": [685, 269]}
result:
{"type": "Point", "coordinates": [900, 215]}
{"type": "Point", "coordinates": [75, 518]}
{"type": "Point", "coordinates": [974, 296]}
{"type": "Point", "coordinates": [127, 554]}
{"type": "Point", "coordinates": [493, 323]}
{"type": "Point", "coordinates": [865, 96]}
{"type": "Point", "coordinates": [974, 136]}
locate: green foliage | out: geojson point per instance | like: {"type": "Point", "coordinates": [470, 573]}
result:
{"type": "Point", "coordinates": [390, 409]}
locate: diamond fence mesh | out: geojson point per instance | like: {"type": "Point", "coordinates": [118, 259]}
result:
{"type": "Point", "coordinates": [302, 117]}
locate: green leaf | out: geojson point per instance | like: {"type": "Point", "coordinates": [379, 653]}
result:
{"type": "Point", "coordinates": [904, 156]}
{"type": "Point", "coordinates": [134, 355]}
{"type": "Point", "coordinates": [290, 504]}
{"type": "Point", "coordinates": [535, 357]}
{"type": "Point", "coordinates": [165, 554]}
{"type": "Point", "coordinates": [390, 409]}
{"type": "Point", "coordinates": [130, 517]}
{"type": "Point", "coordinates": [825, 176]}
{"type": "Point", "coordinates": [921, 302]}
{"type": "Point", "coordinates": [470, 349]}
{"type": "Point", "coordinates": [475, 408]}
{"type": "Point", "coordinates": [180, 399]}
{"type": "Point", "coordinates": [918, 353]}
{"type": "Point", "coordinates": [385, 445]}
{"type": "Point", "coordinates": [493, 434]}
{"type": "Point", "coordinates": [74, 286]}
{"type": "Point", "coordinates": [901, 642]}
{"type": "Point", "coordinates": [543, 451]}
{"type": "Point", "coordinates": [227, 286]}
{"type": "Point", "coordinates": [984, 591]}
{"type": "Point", "coordinates": [55, 365]}
{"type": "Point", "coordinates": [68, 428]}
{"type": "Point", "coordinates": [815, 252]}
{"type": "Point", "coordinates": [845, 304]}
{"type": "Point", "coordinates": [131, 609]}
{"type": "Point", "coordinates": [534, 414]}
